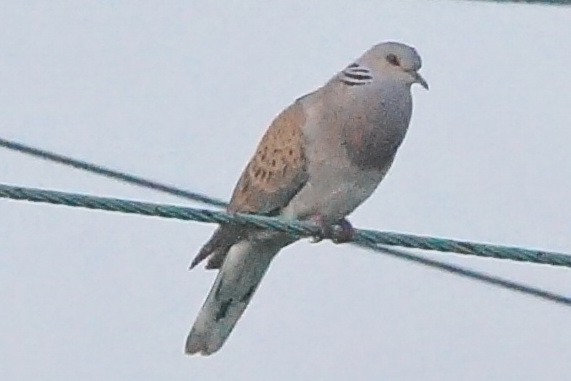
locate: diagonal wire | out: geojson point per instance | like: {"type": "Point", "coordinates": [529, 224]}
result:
{"type": "Point", "coordinates": [386, 238]}
{"type": "Point", "coordinates": [367, 238]}
{"type": "Point", "coordinates": [539, 2]}
{"type": "Point", "coordinates": [364, 238]}
{"type": "Point", "coordinates": [467, 273]}
{"type": "Point", "coordinates": [297, 228]}
{"type": "Point", "coordinates": [117, 175]}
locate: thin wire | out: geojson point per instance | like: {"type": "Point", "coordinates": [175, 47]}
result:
{"type": "Point", "coordinates": [539, 2]}
{"type": "Point", "coordinates": [475, 275]}
{"type": "Point", "coordinates": [117, 175]}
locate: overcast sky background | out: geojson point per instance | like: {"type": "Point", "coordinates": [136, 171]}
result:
{"type": "Point", "coordinates": [183, 91]}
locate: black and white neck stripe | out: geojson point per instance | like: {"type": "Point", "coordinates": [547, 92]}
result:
{"type": "Point", "coordinates": [356, 75]}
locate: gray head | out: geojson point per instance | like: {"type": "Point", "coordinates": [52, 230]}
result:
{"type": "Point", "coordinates": [396, 60]}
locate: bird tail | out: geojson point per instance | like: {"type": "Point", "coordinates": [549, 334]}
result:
{"type": "Point", "coordinates": [238, 278]}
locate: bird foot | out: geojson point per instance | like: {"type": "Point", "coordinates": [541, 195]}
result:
{"type": "Point", "coordinates": [340, 232]}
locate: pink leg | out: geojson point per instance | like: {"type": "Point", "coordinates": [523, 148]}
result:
{"type": "Point", "coordinates": [340, 232]}
{"type": "Point", "coordinates": [343, 231]}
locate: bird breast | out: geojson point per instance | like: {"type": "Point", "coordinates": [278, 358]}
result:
{"type": "Point", "coordinates": [374, 126]}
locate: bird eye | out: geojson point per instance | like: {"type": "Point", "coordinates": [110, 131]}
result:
{"type": "Point", "coordinates": [393, 60]}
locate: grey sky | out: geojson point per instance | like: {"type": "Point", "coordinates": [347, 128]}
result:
{"type": "Point", "coordinates": [182, 93]}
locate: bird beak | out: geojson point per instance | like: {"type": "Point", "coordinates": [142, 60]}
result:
{"type": "Point", "coordinates": [421, 81]}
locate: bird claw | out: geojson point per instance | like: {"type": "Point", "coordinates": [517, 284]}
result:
{"type": "Point", "coordinates": [340, 232]}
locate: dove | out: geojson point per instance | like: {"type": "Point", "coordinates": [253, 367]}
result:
{"type": "Point", "coordinates": [318, 161]}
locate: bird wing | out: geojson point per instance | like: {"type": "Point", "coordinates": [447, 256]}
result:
{"type": "Point", "coordinates": [276, 172]}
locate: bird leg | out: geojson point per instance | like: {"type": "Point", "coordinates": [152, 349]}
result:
{"type": "Point", "coordinates": [339, 232]}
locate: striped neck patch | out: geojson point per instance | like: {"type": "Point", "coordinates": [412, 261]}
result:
{"type": "Point", "coordinates": [356, 75]}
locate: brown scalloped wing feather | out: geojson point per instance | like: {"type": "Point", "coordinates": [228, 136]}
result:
{"type": "Point", "coordinates": [273, 176]}
{"type": "Point", "coordinates": [278, 169]}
